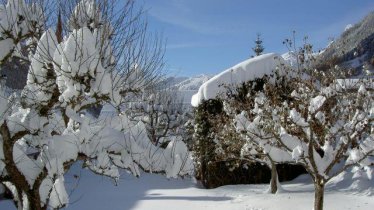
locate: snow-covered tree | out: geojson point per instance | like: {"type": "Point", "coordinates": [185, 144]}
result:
{"type": "Point", "coordinates": [102, 58]}
{"type": "Point", "coordinates": [258, 146]}
{"type": "Point", "coordinates": [218, 138]}
{"type": "Point", "coordinates": [218, 147]}
{"type": "Point", "coordinates": [163, 114]}
{"type": "Point", "coordinates": [325, 127]}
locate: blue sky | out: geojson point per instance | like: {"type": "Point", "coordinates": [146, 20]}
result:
{"type": "Point", "coordinates": [208, 36]}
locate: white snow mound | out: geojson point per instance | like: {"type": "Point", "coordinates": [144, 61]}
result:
{"type": "Point", "coordinates": [245, 71]}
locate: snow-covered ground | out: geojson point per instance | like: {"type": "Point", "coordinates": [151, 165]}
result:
{"type": "Point", "coordinates": [351, 190]}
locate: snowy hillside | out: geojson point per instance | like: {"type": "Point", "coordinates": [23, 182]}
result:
{"type": "Point", "coordinates": [188, 87]}
{"type": "Point", "coordinates": [171, 81]}
{"type": "Point", "coordinates": [192, 83]}
{"type": "Point", "coordinates": [184, 83]}
{"type": "Point", "coordinates": [354, 49]}
{"type": "Point", "coordinates": [185, 87]}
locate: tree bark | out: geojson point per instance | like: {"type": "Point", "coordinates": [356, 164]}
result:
{"type": "Point", "coordinates": [16, 177]}
{"type": "Point", "coordinates": [319, 186]}
{"type": "Point", "coordinates": [274, 179]}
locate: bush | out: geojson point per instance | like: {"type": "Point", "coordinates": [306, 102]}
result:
{"type": "Point", "coordinates": [217, 145]}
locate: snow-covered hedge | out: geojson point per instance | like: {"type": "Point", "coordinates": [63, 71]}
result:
{"type": "Point", "coordinates": [248, 70]}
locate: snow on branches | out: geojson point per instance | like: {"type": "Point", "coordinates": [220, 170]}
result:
{"type": "Point", "coordinates": [49, 127]}
{"type": "Point", "coordinates": [296, 115]}
{"type": "Point", "coordinates": [19, 22]}
{"type": "Point", "coordinates": [163, 114]}
{"type": "Point", "coordinates": [326, 128]}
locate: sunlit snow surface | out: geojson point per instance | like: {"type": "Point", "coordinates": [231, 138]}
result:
{"type": "Point", "coordinates": [350, 190]}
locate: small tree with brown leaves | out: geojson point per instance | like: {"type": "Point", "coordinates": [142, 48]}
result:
{"type": "Point", "coordinates": [326, 127]}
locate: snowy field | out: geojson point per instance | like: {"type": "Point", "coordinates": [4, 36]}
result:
{"type": "Point", "coordinates": [155, 192]}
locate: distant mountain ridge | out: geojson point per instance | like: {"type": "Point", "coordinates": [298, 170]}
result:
{"type": "Point", "coordinates": [192, 83]}
{"type": "Point", "coordinates": [353, 49]}
{"type": "Point", "coordinates": [184, 83]}
{"type": "Point", "coordinates": [185, 87]}
{"type": "Point", "coordinates": [171, 81]}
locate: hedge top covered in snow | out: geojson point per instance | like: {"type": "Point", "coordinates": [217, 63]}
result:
{"type": "Point", "coordinates": [245, 71]}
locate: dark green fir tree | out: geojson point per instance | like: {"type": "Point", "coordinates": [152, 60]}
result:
{"type": "Point", "coordinates": [258, 49]}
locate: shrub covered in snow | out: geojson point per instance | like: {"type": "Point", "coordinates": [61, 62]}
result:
{"type": "Point", "coordinates": [101, 57]}
{"type": "Point", "coordinates": [219, 149]}
{"type": "Point", "coordinates": [293, 115]}
{"type": "Point", "coordinates": [326, 127]}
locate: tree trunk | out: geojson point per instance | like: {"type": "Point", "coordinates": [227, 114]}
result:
{"type": "Point", "coordinates": [319, 186]}
{"type": "Point", "coordinates": [33, 204]}
{"type": "Point", "coordinates": [274, 179]}
{"type": "Point", "coordinates": [16, 177]}
{"type": "Point", "coordinates": [36, 204]}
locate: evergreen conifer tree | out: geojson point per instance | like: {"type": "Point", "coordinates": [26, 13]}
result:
{"type": "Point", "coordinates": [258, 49]}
